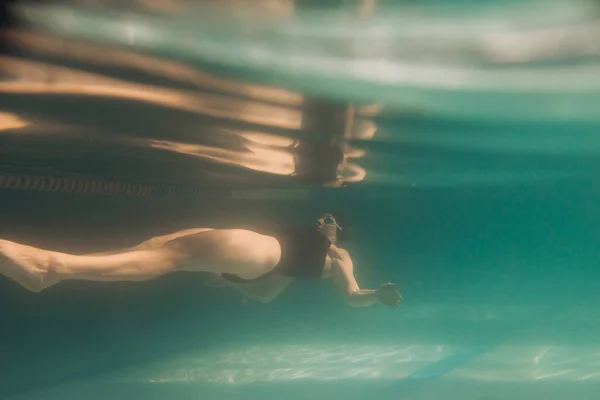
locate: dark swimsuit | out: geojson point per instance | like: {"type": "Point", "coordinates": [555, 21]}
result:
{"type": "Point", "coordinates": [303, 255]}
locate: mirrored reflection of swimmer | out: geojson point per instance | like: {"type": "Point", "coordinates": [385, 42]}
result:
{"type": "Point", "coordinates": [260, 266]}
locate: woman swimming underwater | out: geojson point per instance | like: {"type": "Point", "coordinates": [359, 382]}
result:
{"type": "Point", "coordinates": [260, 266]}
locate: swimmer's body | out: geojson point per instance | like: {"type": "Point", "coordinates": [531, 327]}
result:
{"type": "Point", "coordinates": [257, 265]}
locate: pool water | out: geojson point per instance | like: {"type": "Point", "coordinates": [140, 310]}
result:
{"type": "Point", "coordinates": [461, 145]}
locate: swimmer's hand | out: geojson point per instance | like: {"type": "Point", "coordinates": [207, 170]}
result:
{"type": "Point", "coordinates": [388, 295]}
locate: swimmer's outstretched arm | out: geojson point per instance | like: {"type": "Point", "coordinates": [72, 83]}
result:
{"type": "Point", "coordinates": [343, 275]}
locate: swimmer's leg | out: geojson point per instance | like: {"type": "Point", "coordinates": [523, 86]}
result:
{"type": "Point", "coordinates": [153, 243]}
{"type": "Point", "coordinates": [241, 252]}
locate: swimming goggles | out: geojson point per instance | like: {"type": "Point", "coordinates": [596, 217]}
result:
{"type": "Point", "coordinates": [329, 219]}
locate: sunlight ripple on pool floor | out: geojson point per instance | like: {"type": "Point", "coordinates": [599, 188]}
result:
{"type": "Point", "coordinates": [510, 363]}
{"type": "Point", "coordinates": [287, 362]}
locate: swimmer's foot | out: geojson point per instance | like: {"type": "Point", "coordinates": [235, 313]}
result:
{"type": "Point", "coordinates": [25, 265]}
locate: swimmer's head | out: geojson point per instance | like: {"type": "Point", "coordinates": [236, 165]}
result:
{"type": "Point", "coordinates": [328, 226]}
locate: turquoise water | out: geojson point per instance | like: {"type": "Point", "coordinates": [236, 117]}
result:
{"type": "Point", "coordinates": [470, 177]}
